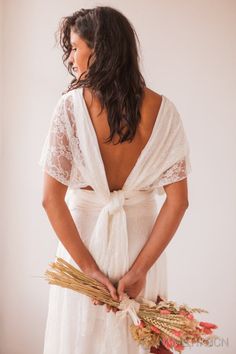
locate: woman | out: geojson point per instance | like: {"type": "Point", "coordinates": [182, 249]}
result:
{"type": "Point", "coordinates": [113, 146]}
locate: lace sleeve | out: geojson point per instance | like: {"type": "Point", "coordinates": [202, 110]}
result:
{"type": "Point", "coordinates": [56, 156]}
{"type": "Point", "coordinates": [175, 173]}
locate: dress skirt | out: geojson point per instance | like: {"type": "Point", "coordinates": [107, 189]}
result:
{"type": "Point", "coordinates": [74, 324]}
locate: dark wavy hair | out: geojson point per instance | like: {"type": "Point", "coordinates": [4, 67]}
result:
{"type": "Point", "coordinates": [113, 73]}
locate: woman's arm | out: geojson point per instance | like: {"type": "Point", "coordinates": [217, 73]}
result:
{"type": "Point", "coordinates": [165, 226]}
{"type": "Point", "coordinates": [63, 224]}
{"type": "Point", "coordinates": [65, 228]}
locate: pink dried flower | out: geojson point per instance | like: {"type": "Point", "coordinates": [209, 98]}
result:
{"type": "Point", "coordinates": [155, 329]}
{"type": "Point", "coordinates": [190, 316]}
{"type": "Point", "coordinates": [179, 347]}
{"type": "Point", "coordinates": [166, 343]}
{"type": "Point", "coordinates": [141, 324]}
{"type": "Point", "coordinates": [208, 325]}
{"type": "Point", "coordinates": [176, 332]}
{"type": "Point", "coordinates": [183, 312]}
{"type": "Point", "coordinates": [207, 330]}
{"type": "Point", "coordinates": [165, 312]}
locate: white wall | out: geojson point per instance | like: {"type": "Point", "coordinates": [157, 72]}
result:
{"type": "Point", "coordinates": [189, 52]}
{"type": "Point", "coordinates": [1, 156]}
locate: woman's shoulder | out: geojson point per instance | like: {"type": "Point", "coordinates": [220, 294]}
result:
{"type": "Point", "coordinates": [170, 115]}
{"type": "Point", "coordinates": [152, 102]}
{"type": "Point", "coordinates": [152, 95]}
{"type": "Point", "coordinates": [156, 98]}
{"type": "Point", "coordinates": [171, 108]}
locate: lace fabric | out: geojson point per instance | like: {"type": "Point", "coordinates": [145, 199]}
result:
{"type": "Point", "coordinates": [61, 154]}
{"type": "Point", "coordinates": [177, 172]}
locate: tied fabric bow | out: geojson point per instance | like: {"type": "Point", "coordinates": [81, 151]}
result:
{"type": "Point", "coordinates": [131, 307]}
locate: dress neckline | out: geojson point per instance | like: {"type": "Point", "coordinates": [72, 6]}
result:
{"type": "Point", "coordinates": [144, 149]}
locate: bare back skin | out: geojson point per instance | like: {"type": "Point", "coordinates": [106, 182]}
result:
{"type": "Point", "coordinates": [119, 160]}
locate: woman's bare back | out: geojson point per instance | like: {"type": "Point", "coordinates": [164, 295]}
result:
{"type": "Point", "coordinates": [120, 159]}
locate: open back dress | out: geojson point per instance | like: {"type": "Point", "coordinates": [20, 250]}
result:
{"type": "Point", "coordinates": [114, 226]}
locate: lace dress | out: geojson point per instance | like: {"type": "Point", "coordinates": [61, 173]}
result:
{"type": "Point", "coordinates": [114, 226]}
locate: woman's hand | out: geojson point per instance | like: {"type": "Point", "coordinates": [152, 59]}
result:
{"type": "Point", "coordinates": [131, 284]}
{"type": "Point", "coordinates": [102, 278]}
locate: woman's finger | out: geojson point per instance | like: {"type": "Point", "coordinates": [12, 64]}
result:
{"type": "Point", "coordinates": [121, 289]}
{"type": "Point", "coordinates": [97, 302]}
{"type": "Point", "coordinates": [109, 308]}
{"type": "Point", "coordinates": [112, 289]}
{"type": "Point", "coordinates": [114, 309]}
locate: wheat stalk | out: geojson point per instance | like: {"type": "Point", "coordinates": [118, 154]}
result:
{"type": "Point", "coordinates": [153, 327]}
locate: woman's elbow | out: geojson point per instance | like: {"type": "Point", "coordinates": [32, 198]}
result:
{"type": "Point", "coordinates": [178, 203]}
{"type": "Point", "coordinates": [186, 204]}
{"type": "Point", "coordinates": [177, 194]}
{"type": "Point", "coordinates": [48, 199]}
{"type": "Point", "coordinates": [45, 202]}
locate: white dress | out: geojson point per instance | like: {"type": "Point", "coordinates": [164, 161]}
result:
{"type": "Point", "coordinates": [113, 225]}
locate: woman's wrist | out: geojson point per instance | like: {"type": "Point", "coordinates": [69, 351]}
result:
{"type": "Point", "coordinates": [90, 267]}
{"type": "Point", "coordinates": [137, 273]}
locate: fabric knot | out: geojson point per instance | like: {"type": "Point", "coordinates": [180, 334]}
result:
{"type": "Point", "coordinates": [116, 201]}
{"type": "Point", "coordinates": [131, 307]}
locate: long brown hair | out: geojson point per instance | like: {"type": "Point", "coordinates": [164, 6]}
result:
{"type": "Point", "coordinates": [114, 74]}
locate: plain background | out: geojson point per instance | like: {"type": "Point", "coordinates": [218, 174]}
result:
{"type": "Point", "coordinates": [188, 53]}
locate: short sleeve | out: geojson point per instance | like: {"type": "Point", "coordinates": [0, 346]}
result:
{"type": "Point", "coordinates": [176, 151]}
{"type": "Point", "coordinates": [175, 173]}
{"type": "Point", "coordinates": [56, 156]}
